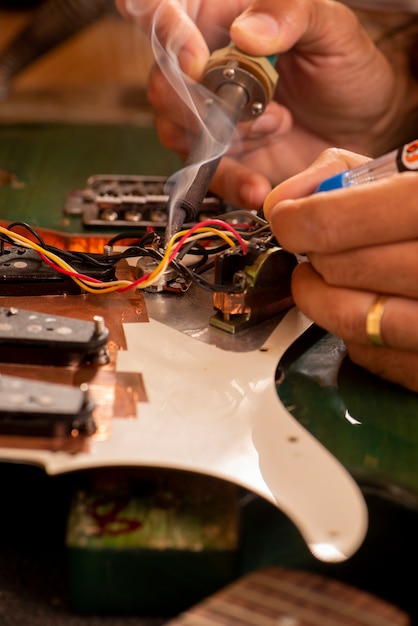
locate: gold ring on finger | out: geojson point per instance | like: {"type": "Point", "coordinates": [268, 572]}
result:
{"type": "Point", "coordinates": [374, 321]}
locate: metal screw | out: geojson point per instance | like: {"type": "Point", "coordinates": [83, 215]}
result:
{"type": "Point", "coordinates": [240, 279]}
{"type": "Point", "coordinates": [85, 390]}
{"type": "Point", "coordinates": [99, 324]}
{"type": "Point", "coordinates": [229, 72]}
{"type": "Point", "coordinates": [257, 108]}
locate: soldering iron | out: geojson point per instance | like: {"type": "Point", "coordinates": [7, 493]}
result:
{"type": "Point", "coordinates": [244, 85]}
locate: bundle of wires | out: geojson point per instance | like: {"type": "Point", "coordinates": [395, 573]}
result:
{"type": "Point", "coordinates": [187, 241]}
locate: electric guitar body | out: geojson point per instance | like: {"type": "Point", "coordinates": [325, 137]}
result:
{"type": "Point", "coordinates": [301, 431]}
{"type": "Point", "coordinates": [367, 423]}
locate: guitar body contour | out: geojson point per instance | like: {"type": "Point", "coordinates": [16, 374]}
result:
{"type": "Point", "coordinates": [182, 397]}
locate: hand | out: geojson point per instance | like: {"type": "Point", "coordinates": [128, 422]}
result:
{"type": "Point", "coordinates": [360, 242]}
{"type": "Point", "coordinates": [335, 88]}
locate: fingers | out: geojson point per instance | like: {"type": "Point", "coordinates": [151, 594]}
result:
{"type": "Point", "coordinates": [360, 216]}
{"type": "Point", "coordinates": [173, 28]}
{"type": "Point", "coordinates": [273, 26]}
{"type": "Point", "coordinates": [328, 163]}
{"type": "Point", "coordinates": [344, 312]}
{"type": "Point", "coordinates": [239, 185]}
{"type": "Point", "coordinates": [361, 242]}
{"type": "Point", "coordinates": [171, 100]}
{"type": "Point", "coordinates": [390, 269]}
{"type": "Point", "coordinates": [396, 366]}
{"type": "Point", "coordinates": [275, 122]}
{"type": "Point", "coordinates": [329, 69]}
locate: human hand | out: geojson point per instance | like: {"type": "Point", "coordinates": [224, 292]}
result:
{"type": "Point", "coordinates": [335, 86]}
{"type": "Point", "coordinates": [189, 29]}
{"type": "Point", "coordinates": [360, 241]}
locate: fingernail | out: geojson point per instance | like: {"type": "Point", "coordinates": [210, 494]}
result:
{"type": "Point", "coordinates": [259, 24]}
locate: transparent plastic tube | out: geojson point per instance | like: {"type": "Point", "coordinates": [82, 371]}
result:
{"type": "Point", "coordinates": [400, 160]}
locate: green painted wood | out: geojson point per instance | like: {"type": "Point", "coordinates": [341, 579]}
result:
{"type": "Point", "coordinates": [369, 424]}
{"type": "Point", "coordinates": [49, 160]}
{"type": "Point", "coordinates": [319, 384]}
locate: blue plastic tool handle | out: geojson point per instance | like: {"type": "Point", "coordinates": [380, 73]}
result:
{"type": "Point", "coordinates": [334, 182]}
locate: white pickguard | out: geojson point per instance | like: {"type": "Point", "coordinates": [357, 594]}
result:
{"type": "Point", "coordinates": [217, 412]}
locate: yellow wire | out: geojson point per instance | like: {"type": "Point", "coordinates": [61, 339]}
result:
{"type": "Point", "coordinates": [93, 287]}
{"type": "Point", "coordinates": [200, 234]}
{"type": "Point", "coordinates": [204, 230]}
{"type": "Point", "coordinates": [83, 283]}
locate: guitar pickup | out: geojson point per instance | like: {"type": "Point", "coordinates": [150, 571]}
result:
{"type": "Point", "coordinates": [38, 409]}
{"type": "Point", "coordinates": [24, 273]}
{"type": "Point", "coordinates": [45, 339]}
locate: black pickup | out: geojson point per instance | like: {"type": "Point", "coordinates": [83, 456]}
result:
{"type": "Point", "coordinates": [24, 273]}
{"type": "Point", "coordinates": [44, 338]}
{"type": "Point", "coordinates": [38, 409]}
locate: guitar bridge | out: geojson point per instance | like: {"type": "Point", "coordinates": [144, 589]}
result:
{"type": "Point", "coordinates": [130, 201]}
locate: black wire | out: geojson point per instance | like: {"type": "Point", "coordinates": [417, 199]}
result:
{"type": "Point", "coordinates": [134, 251]}
{"type": "Point", "coordinates": [193, 272]}
{"type": "Point", "coordinates": [140, 237]}
{"type": "Point", "coordinates": [208, 251]}
{"type": "Point", "coordinates": [6, 239]}
{"type": "Point", "coordinates": [195, 248]}
{"type": "Point", "coordinates": [181, 268]}
{"type": "Point", "coordinates": [30, 229]}
{"type": "Point", "coordinates": [205, 268]}
{"type": "Point", "coordinates": [75, 257]}
{"type": "Point", "coordinates": [204, 283]}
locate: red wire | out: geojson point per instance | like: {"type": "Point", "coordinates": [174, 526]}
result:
{"type": "Point", "coordinates": [62, 270]}
{"type": "Point", "coordinates": [209, 222]}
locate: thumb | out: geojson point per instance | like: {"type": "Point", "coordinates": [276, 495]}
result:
{"type": "Point", "coordinates": [269, 27]}
{"type": "Point", "coordinates": [329, 163]}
